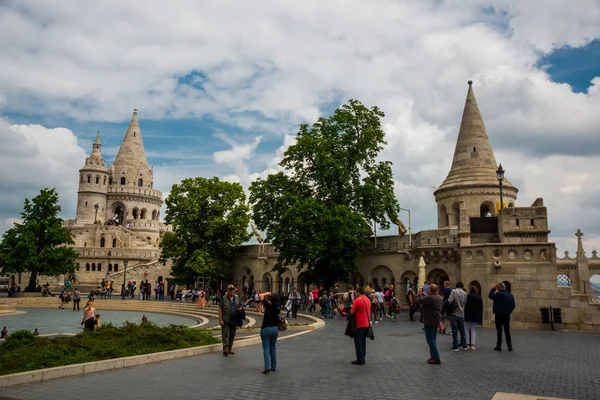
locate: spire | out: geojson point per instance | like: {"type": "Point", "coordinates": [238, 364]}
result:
{"type": "Point", "coordinates": [474, 162]}
{"type": "Point", "coordinates": [96, 147]}
{"type": "Point", "coordinates": [580, 250]}
{"type": "Point", "coordinates": [131, 152]}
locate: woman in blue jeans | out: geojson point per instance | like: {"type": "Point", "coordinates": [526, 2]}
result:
{"type": "Point", "coordinates": [269, 331]}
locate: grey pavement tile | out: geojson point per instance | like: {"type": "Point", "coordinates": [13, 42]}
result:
{"type": "Point", "coordinates": [317, 365]}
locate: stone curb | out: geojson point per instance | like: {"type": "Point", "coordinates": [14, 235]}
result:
{"type": "Point", "coordinates": [46, 374]}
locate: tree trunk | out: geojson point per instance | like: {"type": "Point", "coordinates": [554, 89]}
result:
{"type": "Point", "coordinates": [32, 281]}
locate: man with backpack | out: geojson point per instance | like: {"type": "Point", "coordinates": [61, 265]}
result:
{"type": "Point", "coordinates": [504, 305]}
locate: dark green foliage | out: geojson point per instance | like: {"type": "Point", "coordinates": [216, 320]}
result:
{"type": "Point", "coordinates": [19, 338]}
{"type": "Point", "coordinates": [316, 214]}
{"type": "Point", "coordinates": [41, 244]}
{"type": "Point", "coordinates": [29, 353]}
{"type": "Point", "coordinates": [210, 219]}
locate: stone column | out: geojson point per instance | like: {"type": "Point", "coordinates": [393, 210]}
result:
{"type": "Point", "coordinates": [583, 271]}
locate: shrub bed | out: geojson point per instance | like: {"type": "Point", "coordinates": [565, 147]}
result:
{"type": "Point", "coordinates": [24, 352]}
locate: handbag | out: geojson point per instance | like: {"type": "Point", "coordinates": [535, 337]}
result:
{"type": "Point", "coordinates": [282, 324]}
{"type": "Point", "coordinates": [370, 333]}
{"type": "Point", "coordinates": [351, 326]}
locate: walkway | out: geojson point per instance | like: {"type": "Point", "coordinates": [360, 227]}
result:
{"type": "Point", "coordinates": [317, 365]}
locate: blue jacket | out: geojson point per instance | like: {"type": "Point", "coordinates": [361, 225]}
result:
{"type": "Point", "coordinates": [474, 308]}
{"type": "Point", "coordinates": [504, 302]}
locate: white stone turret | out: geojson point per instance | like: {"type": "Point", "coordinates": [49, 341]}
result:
{"type": "Point", "coordinates": [93, 186]}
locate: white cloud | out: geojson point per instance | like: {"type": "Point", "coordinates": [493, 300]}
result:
{"type": "Point", "coordinates": [265, 66]}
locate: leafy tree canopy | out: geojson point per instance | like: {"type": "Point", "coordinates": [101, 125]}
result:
{"type": "Point", "coordinates": [209, 219]}
{"type": "Point", "coordinates": [316, 213]}
{"type": "Point", "coordinates": [41, 244]}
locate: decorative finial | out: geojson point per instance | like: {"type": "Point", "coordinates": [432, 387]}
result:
{"type": "Point", "coordinates": [470, 83]}
{"type": "Point", "coordinates": [135, 111]}
{"type": "Point", "coordinates": [578, 233]}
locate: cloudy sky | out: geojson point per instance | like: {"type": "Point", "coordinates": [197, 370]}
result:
{"type": "Point", "coordinates": [221, 87]}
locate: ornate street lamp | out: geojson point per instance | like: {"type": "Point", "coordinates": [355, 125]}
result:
{"type": "Point", "coordinates": [125, 262]}
{"type": "Point", "coordinates": [108, 268]}
{"type": "Point", "coordinates": [500, 176]}
{"type": "Point", "coordinates": [96, 207]}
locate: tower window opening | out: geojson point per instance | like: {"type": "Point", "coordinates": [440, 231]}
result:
{"type": "Point", "coordinates": [99, 267]}
{"type": "Point", "coordinates": [87, 266]}
{"type": "Point", "coordinates": [93, 267]}
{"type": "Point", "coordinates": [110, 181]}
{"type": "Point", "coordinates": [133, 134]}
{"type": "Point", "coordinates": [114, 243]}
{"type": "Point", "coordinates": [140, 182]}
{"type": "Point", "coordinates": [517, 222]}
{"type": "Point", "coordinates": [532, 223]}
{"type": "Point", "coordinates": [474, 149]}
{"type": "Point", "coordinates": [116, 267]}
{"type": "Point", "coordinates": [86, 203]}
{"type": "Point", "coordinates": [102, 242]}
{"type": "Point", "coordinates": [104, 181]}
{"type": "Point", "coordinates": [89, 178]}
{"type": "Point", "coordinates": [122, 180]}
{"type": "Point", "coordinates": [109, 267]}
{"type": "Point", "coordinates": [97, 180]}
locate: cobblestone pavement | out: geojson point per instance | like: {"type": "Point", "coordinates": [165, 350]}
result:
{"type": "Point", "coordinates": [317, 365]}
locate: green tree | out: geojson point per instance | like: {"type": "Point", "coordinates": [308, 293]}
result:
{"type": "Point", "coordinates": [41, 244]}
{"type": "Point", "coordinates": [316, 213]}
{"type": "Point", "coordinates": [210, 219]}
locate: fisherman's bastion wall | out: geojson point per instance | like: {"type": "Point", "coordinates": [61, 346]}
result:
{"type": "Point", "coordinates": [471, 243]}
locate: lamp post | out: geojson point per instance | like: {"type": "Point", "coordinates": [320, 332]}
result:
{"type": "Point", "coordinates": [96, 207]}
{"type": "Point", "coordinates": [409, 227]}
{"type": "Point", "coordinates": [500, 176]}
{"type": "Point", "coordinates": [108, 268]}
{"type": "Point", "coordinates": [125, 262]}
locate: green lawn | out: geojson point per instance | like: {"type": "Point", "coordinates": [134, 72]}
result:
{"type": "Point", "coordinates": [24, 352]}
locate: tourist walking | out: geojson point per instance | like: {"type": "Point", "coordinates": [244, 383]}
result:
{"type": "Point", "coordinates": [473, 315]}
{"type": "Point", "coordinates": [456, 302]}
{"type": "Point", "coordinates": [76, 299]}
{"type": "Point", "coordinates": [431, 308]}
{"type": "Point", "coordinates": [361, 308]}
{"type": "Point", "coordinates": [294, 297]}
{"type": "Point", "coordinates": [446, 314]}
{"type": "Point", "coordinates": [269, 331]}
{"type": "Point", "coordinates": [89, 316]}
{"type": "Point", "coordinates": [229, 307]}
{"type": "Point", "coordinates": [504, 305]}
{"type": "Point", "coordinates": [412, 303]}
{"type": "Point", "coordinates": [380, 299]}
{"type": "Point", "coordinates": [4, 333]}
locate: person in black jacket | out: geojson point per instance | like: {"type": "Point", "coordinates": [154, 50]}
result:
{"type": "Point", "coordinates": [473, 315]}
{"type": "Point", "coordinates": [269, 331]}
{"type": "Point", "coordinates": [504, 304]}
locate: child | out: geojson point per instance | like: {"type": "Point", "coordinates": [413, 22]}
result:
{"type": "Point", "coordinates": [97, 325]}
{"type": "Point", "coordinates": [394, 306]}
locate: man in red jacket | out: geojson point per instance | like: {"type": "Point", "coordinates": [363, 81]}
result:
{"type": "Point", "coordinates": [361, 308]}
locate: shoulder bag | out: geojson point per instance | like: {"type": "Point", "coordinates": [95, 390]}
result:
{"type": "Point", "coordinates": [370, 333]}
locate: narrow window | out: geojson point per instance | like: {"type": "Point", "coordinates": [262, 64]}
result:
{"type": "Point", "coordinates": [110, 181]}
{"type": "Point", "coordinates": [85, 244]}
{"type": "Point", "coordinates": [474, 149]}
{"type": "Point", "coordinates": [93, 267]}
{"type": "Point", "coordinates": [77, 266]}
{"type": "Point", "coordinates": [116, 267]}
{"type": "Point", "coordinates": [102, 242]}
{"type": "Point", "coordinates": [517, 222]}
{"type": "Point", "coordinates": [97, 180]}
{"type": "Point", "coordinates": [99, 267]}
{"type": "Point", "coordinates": [89, 178]}
{"type": "Point", "coordinates": [109, 267]}
{"type": "Point", "coordinates": [104, 181]}
{"type": "Point", "coordinates": [114, 243]}
{"type": "Point", "coordinates": [140, 182]}
{"type": "Point", "coordinates": [122, 180]}
{"type": "Point", "coordinates": [532, 224]}
{"type": "Point", "coordinates": [87, 266]}
{"type": "Point", "coordinates": [86, 203]}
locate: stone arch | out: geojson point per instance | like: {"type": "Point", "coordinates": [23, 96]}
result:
{"type": "Point", "coordinates": [382, 275]}
{"type": "Point", "coordinates": [116, 267]}
{"type": "Point", "coordinates": [109, 267]}
{"type": "Point", "coordinates": [406, 280]}
{"type": "Point", "coordinates": [143, 213]}
{"type": "Point", "coordinates": [511, 205]}
{"type": "Point", "coordinates": [135, 213]}
{"type": "Point", "coordinates": [476, 284]}
{"type": "Point", "coordinates": [99, 266]}
{"type": "Point", "coordinates": [455, 211]}
{"type": "Point", "coordinates": [93, 266]}
{"type": "Point", "coordinates": [286, 280]}
{"type": "Point", "coordinates": [267, 282]}
{"type": "Point", "coordinates": [87, 266]}
{"type": "Point", "coordinates": [437, 276]}
{"type": "Point", "coordinates": [153, 214]}
{"type": "Point", "coordinates": [485, 207]}
{"type": "Point", "coordinates": [119, 212]}
{"type": "Point", "coordinates": [442, 217]}
{"type": "Point", "coordinates": [357, 279]}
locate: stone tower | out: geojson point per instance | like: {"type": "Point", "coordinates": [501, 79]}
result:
{"type": "Point", "coordinates": [93, 184]}
{"type": "Point", "coordinates": [471, 188]}
{"type": "Point", "coordinates": [132, 199]}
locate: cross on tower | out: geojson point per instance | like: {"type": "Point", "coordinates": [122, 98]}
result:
{"type": "Point", "coordinates": [578, 233]}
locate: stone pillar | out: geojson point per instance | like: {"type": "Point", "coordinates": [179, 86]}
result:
{"type": "Point", "coordinates": [583, 271]}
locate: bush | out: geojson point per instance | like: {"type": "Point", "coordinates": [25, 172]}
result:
{"type": "Point", "coordinates": [18, 339]}
{"type": "Point", "coordinates": [105, 343]}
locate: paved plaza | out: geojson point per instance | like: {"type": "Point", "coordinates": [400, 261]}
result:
{"type": "Point", "coordinates": [317, 366]}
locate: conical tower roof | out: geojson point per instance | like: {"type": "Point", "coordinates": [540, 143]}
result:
{"type": "Point", "coordinates": [474, 163]}
{"type": "Point", "coordinates": [96, 147]}
{"type": "Point", "coordinates": [131, 153]}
